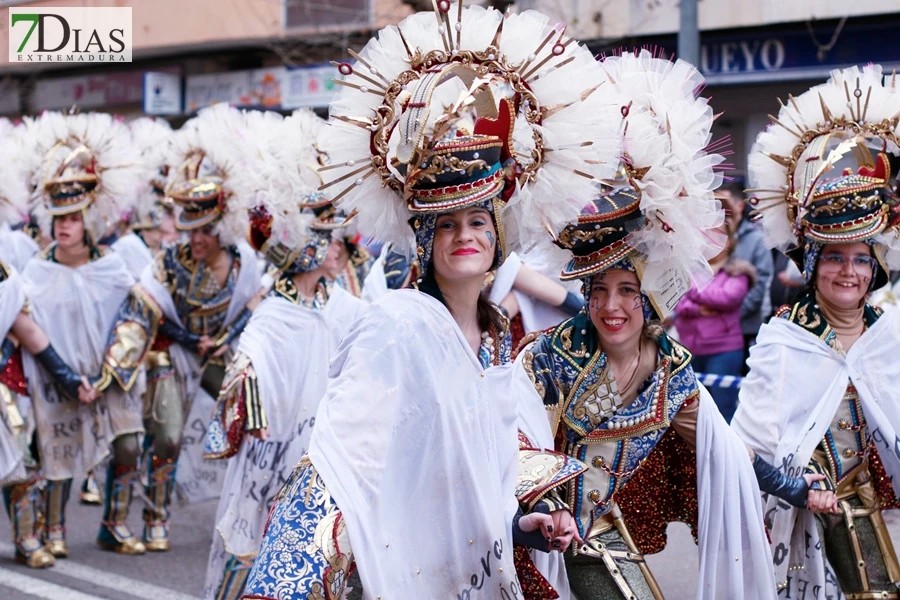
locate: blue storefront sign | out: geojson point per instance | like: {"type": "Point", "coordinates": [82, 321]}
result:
{"type": "Point", "coordinates": [778, 54]}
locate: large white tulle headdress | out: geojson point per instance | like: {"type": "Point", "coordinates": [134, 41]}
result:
{"type": "Point", "coordinates": [88, 165]}
{"type": "Point", "coordinates": [203, 156]}
{"type": "Point", "coordinates": [14, 184]}
{"type": "Point", "coordinates": [821, 172]}
{"type": "Point", "coordinates": [659, 217]}
{"type": "Point", "coordinates": [151, 137]}
{"type": "Point", "coordinates": [290, 221]}
{"type": "Point", "coordinates": [465, 106]}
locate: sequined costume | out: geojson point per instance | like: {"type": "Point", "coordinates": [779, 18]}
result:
{"type": "Point", "coordinates": [19, 474]}
{"type": "Point", "coordinates": [819, 399]}
{"type": "Point", "coordinates": [660, 419]}
{"type": "Point", "coordinates": [590, 423]}
{"type": "Point", "coordinates": [179, 303]}
{"type": "Point", "coordinates": [847, 456]}
{"type": "Point", "coordinates": [140, 338]}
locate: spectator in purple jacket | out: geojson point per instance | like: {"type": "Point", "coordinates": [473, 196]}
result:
{"type": "Point", "coordinates": [709, 322]}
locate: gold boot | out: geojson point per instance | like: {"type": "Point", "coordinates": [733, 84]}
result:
{"type": "Point", "coordinates": [56, 495]}
{"type": "Point", "coordinates": [114, 534]}
{"type": "Point", "coordinates": [38, 559]}
{"type": "Point", "coordinates": [57, 547]}
{"type": "Point", "coordinates": [90, 492]}
{"type": "Point", "coordinates": [156, 518]}
{"type": "Point", "coordinates": [23, 504]}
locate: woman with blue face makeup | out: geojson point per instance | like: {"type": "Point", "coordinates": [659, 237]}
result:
{"type": "Point", "coordinates": [412, 487]}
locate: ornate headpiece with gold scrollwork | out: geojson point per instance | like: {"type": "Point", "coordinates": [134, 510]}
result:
{"type": "Point", "coordinates": [466, 106]}
{"type": "Point", "coordinates": [852, 123]}
{"type": "Point", "coordinates": [204, 156]}
{"type": "Point", "coordinates": [89, 166]}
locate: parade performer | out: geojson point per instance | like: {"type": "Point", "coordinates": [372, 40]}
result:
{"type": "Point", "coordinates": [493, 143]}
{"type": "Point", "coordinates": [266, 409]}
{"type": "Point", "coordinates": [823, 394]}
{"type": "Point", "coordinates": [89, 175]}
{"type": "Point", "coordinates": [190, 304]}
{"type": "Point", "coordinates": [151, 216]}
{"type": "Point", "coordinates": [146, 221]}
{"type": "Point", "coordinates": [19, 467]}
{"type": "Point", "coordinates": [614, 384]}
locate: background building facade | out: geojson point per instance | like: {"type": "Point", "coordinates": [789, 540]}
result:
{"type": "Point", "coordinates": [276, 53]}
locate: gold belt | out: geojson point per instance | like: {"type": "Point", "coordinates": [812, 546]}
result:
{"type": "Point", "coordinates": [158, 358]}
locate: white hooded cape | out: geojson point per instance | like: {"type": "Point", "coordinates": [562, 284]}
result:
{"type": "Point", "coordinates": [536, 315]}
{"type": "Point", "coordinates": [16, 247]}
{"type": "Point", "coordinates": [134, 252]}
{"type": "Point", "coordinates": [200, 479]}
{"type": "Point", "coordinates": [291, 378]}
{"type": "Point", "coordinates": [418, 446]}
{"type": "Point", "coordinates": [787, 402]}
{"type": "Point", "coordinates": [76, 308]}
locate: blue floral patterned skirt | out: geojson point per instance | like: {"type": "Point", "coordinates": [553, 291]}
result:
{"type": "Point", "coordinates": [305, 552]}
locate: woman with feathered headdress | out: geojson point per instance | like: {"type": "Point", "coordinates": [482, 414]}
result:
{"type": "Point", "coordinates": [620, 394]}
{"type": "Point", "coordinates": [20, 475]}
{"type": "Point", "coordinates": [823, 392]}
{"type": "Point", "coordinates": [89, 174]}
{"type": "Point", "coordinates": [460, 135]}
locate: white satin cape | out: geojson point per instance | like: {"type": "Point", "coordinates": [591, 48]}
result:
{"type": "Point", "coordinates": [16, 247]}
{"type": "Point", "coordinates": [787, 402]}
{"type": "Point", "coordinates": [291, 378]}
{"type": "Point", "coordinates": [12, 460]}
{"type": "Point", "coordinates": [76, 308]}
{"type": "Point", "coordinates": [418, 446]}
{"type": "Point", "coordinates": [200, 479]}
{"type": "Point", "coordinates": [536, 315]}
{"type": "Point", "coordinates": [134, 252]}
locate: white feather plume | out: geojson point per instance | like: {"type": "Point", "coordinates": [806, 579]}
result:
{"type": "Point", "coordinates": [120, 170]}
{"type": "Point", "coordinates": [832, 107]}
{"type": "Point", "coordinates": [151, 137]}
{"type": "Point", "coordinates": [565, 80]}
{"type": "Point", "coordinates": [14, 188]}
{"type": "Point", "coordinates": [665, 128]}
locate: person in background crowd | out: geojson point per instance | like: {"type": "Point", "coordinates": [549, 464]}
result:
{"type": "Point", "coordinates": [749, 247]}
{"type": "Point", "coordinates": [709, 320]}
{"type": "Point", "coordinates": [787, 281]}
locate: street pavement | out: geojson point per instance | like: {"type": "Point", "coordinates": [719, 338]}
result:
{"type": "Point", "coordinates": [92, 574]}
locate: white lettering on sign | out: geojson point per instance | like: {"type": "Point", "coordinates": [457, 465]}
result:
{"type": "Point", "coordinates": [742, 57]}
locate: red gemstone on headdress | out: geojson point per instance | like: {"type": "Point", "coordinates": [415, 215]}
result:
{"type": "Point", "coordinates": [444, 6]}
{"type": "Point", "coordinates": [558, 49]}
{"type": "Point", "coordinates": [753, 201]}
{"type": "Point", "coordinates": [625, 109]}
{"type": "Point", "coordinates": [345, 69]}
